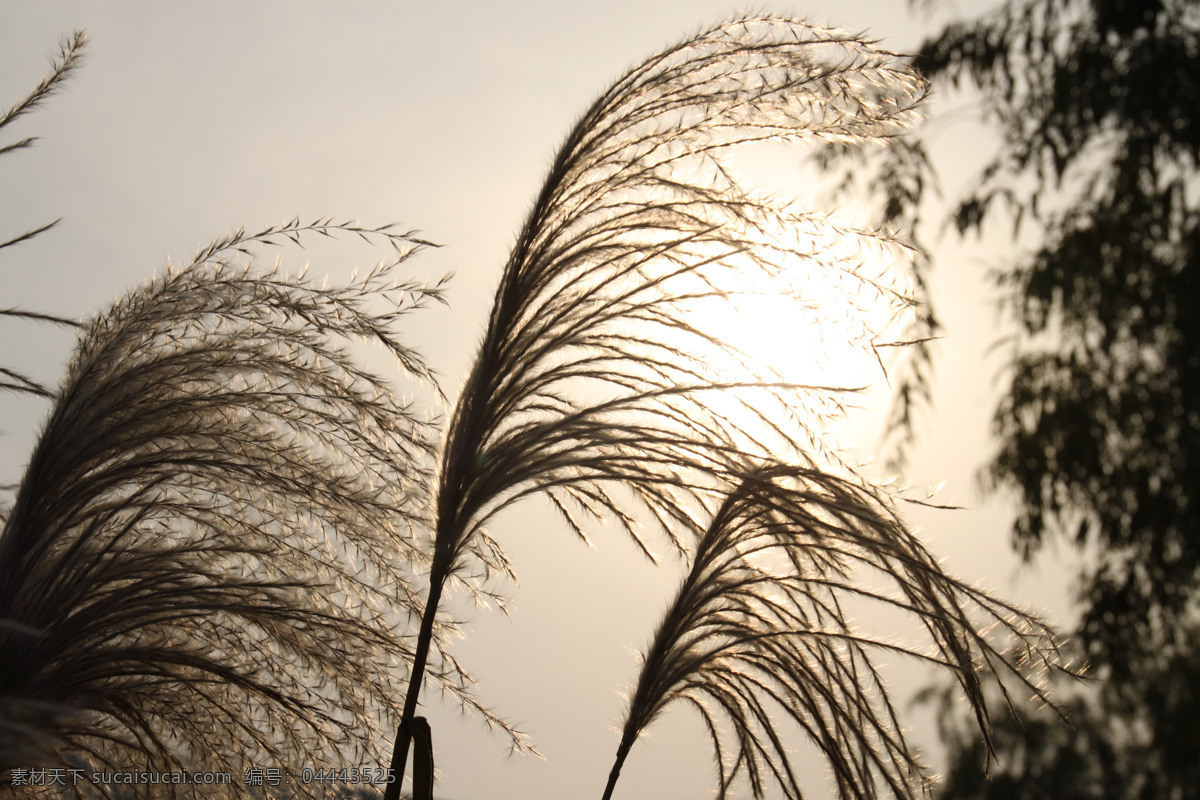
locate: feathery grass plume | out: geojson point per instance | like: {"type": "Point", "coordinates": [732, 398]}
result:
{"type": "Point", "coordinates": [595, 372]}
{"type": "Point", "coordinates": [69, 55]}
{"type": "Point", "coordinates": [201, 566]}
{"type": "Point", "coordinates": [68, 59]}
{"type": "Point", "coordinates": [758, 642]}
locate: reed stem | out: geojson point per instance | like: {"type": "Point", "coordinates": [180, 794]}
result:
{"type": "Point", "coordinates": [618, 762]}
{"type": "Point", "coordinates": [404, 731]}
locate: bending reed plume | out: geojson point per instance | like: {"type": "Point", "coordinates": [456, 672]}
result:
{"type": "Point", "coordinates": [202, 560]}
{"type": "Point", "coordinates": [207, 564]}
{"type": "Point", "coordinates": [758, 643]}
{"type": "Point", "coordinates": [599, 386]}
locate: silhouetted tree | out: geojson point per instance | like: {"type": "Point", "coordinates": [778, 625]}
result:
{"type": "Point", "coordinates": [1098, 106]}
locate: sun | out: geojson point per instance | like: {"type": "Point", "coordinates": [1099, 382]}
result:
{"type": "Point", "coordinates": [799, 341]}
{"type": "Point", "coordinates": [817, 322]}
{"type": "Point", "coordinates": [824, 295]}
{"type": "Point", "coordinates": [818, 331]}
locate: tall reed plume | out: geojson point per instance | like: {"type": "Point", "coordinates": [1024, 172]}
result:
{"type": "Point", "coordinates": [758, 641]}
{"type": "Point", "coordinates": [208, 562]}
{"type": "Point", "coordinates": [599, 387]}
{"type": "Point", "coordinates": [201, 566]}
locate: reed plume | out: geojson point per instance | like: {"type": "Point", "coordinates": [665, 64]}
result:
{"type": "Point", "coordinates": [759, 643]}
{"type": "Point", "coordinates": [597, 384]}
{"type": "Point", "coordinates": [201, 566]}
{"type": "Point", "coordinates": [208, 562]}
{"type": "Point", "coordinates": [62, 66]}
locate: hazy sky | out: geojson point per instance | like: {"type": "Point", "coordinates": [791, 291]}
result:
{"type": "Point", "coordinates": [189, 120]}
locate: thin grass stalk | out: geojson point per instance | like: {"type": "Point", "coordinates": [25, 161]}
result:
{"type": "Point", "coordinates": [412, 696]}
{"type": "Point", "coordinates": [62, 66]}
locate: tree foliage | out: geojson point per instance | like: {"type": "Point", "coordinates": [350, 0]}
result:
{"type": "Point", "coordinates": [1097, 104]}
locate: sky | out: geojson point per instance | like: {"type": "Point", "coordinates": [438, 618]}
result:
{"type": "Point", "coordinates": [188, 121]}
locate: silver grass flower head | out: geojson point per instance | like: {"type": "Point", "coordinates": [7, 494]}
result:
{"type": "Point", "coordinates": [208, 563]}
{"type": "Point", "coordinates": [598, 385]}
{"type": "Point", "coordinates": [594, 372]}
{"type": "Point", "coordinates": [759, 642]}
{"type": "Point", "coordinates": [595, 382]}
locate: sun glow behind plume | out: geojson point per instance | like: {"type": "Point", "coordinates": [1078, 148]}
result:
{"type": "Point", "coordinates": [827, 320]}
{"type": "Point", "coordinates": [842, 296]}
{"type": "Point", "coordinates": [815, 334]}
